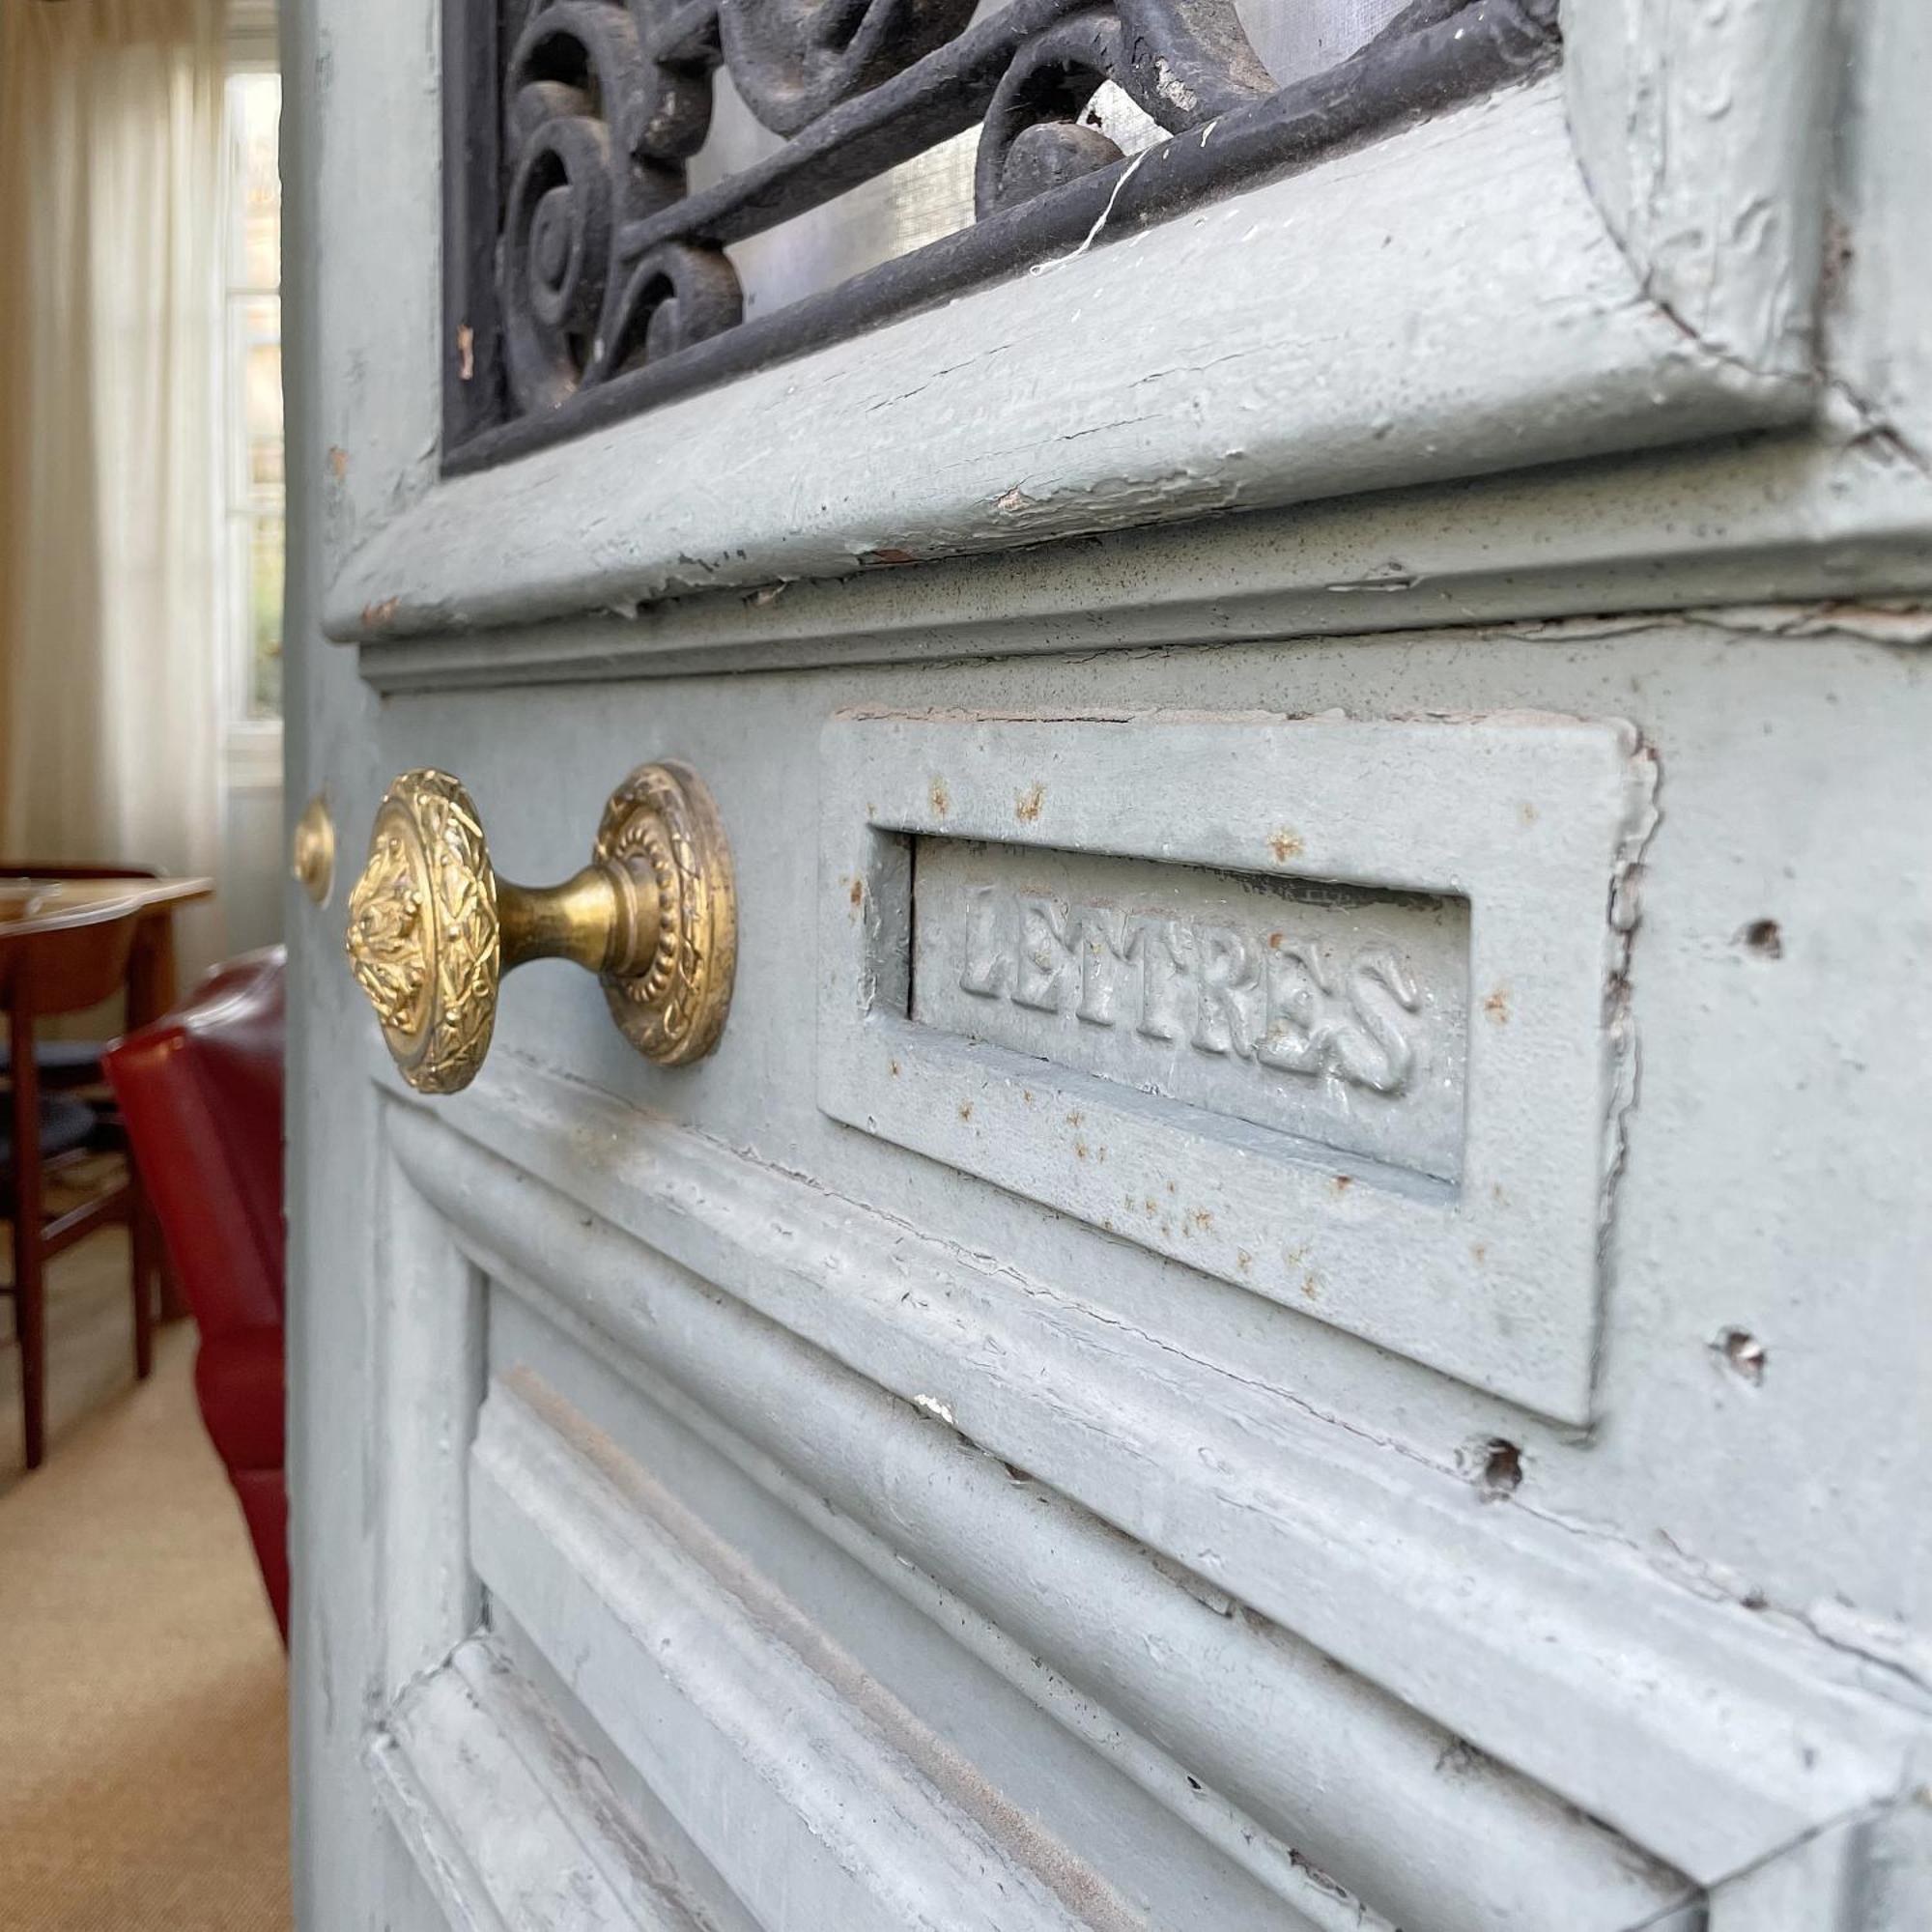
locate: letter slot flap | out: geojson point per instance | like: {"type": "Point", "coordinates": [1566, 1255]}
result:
{"type": "Point", "coordinates": [1355, 988]}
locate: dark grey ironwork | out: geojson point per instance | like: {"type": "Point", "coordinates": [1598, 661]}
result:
{"type": "Point", "coordinates": [584, 283]}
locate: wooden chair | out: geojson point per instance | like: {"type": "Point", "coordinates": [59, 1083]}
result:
{"type": "Point", "coordinates": [59, 972]}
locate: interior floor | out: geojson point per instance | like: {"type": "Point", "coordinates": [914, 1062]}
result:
{"type": "Point", "coordinates": [143, 1692]}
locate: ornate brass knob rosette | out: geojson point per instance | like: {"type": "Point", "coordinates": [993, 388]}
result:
{"type": "Point", "coordinates": [312, 850]}
{"type": "Point", "coordinates": [432, 929]}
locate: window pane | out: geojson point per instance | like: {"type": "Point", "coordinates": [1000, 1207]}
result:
{"type": "Point", "coordinates": [255, 521]}
{"type": "Point", "coordinates": [268, 537]}
{"type": "Point", "coordinates": [262, 403]}
{"type": "Point", "coordinates": [265, 465]}
{"type": "Point", "coordinates": [255, 113]}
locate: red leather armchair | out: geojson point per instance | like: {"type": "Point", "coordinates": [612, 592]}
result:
{"type": "Point", "coordinates": [201, 1093]}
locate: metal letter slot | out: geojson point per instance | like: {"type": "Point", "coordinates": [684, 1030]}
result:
{"type": "Point", "coordinates": [432, 929]}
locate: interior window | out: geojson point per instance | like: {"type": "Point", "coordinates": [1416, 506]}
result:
{"type": "Point", "coordinates": [254, 507]}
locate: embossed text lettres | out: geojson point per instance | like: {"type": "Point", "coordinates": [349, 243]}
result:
{"type": "Point", "coordinates": [1285, 1002]}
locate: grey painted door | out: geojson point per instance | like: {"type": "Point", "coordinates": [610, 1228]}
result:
{"type": "Point", "coordinates": [1295, 1294]}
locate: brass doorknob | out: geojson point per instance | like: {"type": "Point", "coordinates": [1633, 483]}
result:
{"type": "Point", "coordinates": [432, 929]}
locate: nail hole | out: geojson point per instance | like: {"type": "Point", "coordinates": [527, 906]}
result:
{"type": "Point", "coordinates": [1763, 937]}
{"type": "Point", "coordinates": [1743, 1354]}
{"type": "Point", "coordinates": [1493, 1465]}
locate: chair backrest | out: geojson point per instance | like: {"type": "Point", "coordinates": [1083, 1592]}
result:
{"type": "Point", "coordinates": [201, 1092]}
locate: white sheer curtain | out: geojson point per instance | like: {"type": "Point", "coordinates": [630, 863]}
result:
{"type": "Point", "coordinates": [111, 146]}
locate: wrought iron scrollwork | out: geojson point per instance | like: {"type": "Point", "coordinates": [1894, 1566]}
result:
{"type": "Point", "coordinates": [612, 287]}
{"type": "Point", "coordinates": [794, 60]}
{"type": "Point", "coordinates": [598, 132]}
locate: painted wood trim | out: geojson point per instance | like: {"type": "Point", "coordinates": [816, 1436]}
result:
{"type": "Point", "coordinates": [1403, 369]}
{"type": "Point", "coordinates": [752, 1728]}
{"type": "Point", "coordinates": [1822, 1881]}
{"type": "Point", "coordinates": [429, 1371]}
{"type": "Point", "coordinates": [432, 1839]}
{"type": "Point", "coordinates": [583, 1314]}
{"type": "Point", "coordinates": [1346, 1781]}
{"type": "Point", "coordinates": [1822, 519]}
{"type": "Point", "coordinates": [503, 1818]}
{"type": "Point", "coordinates": [1715, 1740]}
{"type": "Point", "coordinates": [1716, 197]}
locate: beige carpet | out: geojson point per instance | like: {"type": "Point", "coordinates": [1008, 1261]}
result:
{"type": "Point", "coordinates": [143, 1721]}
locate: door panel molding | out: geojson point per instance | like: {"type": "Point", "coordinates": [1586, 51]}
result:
{"type": "Point", "coordinates": [752, 1728]}
{"type": "Point", "coordinates": [581, 1313]}
{"type": "Point", "coordinates": [428, 1377]}
{"type": "Point", "coordinates": [505, 1819]}
{"type": "Point", "coordinates": [1320, 1772]}
{"type": "Point", "coordinates": [1715, 1742]}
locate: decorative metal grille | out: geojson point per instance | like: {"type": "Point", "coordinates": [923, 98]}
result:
{"type": "Point", "coordinates": [587, 280]}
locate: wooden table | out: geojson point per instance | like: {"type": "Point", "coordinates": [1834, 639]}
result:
{"type": "Point", "coordinates": [55, 923]}
{"type": "Point", "coordinates": [68, 943]}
